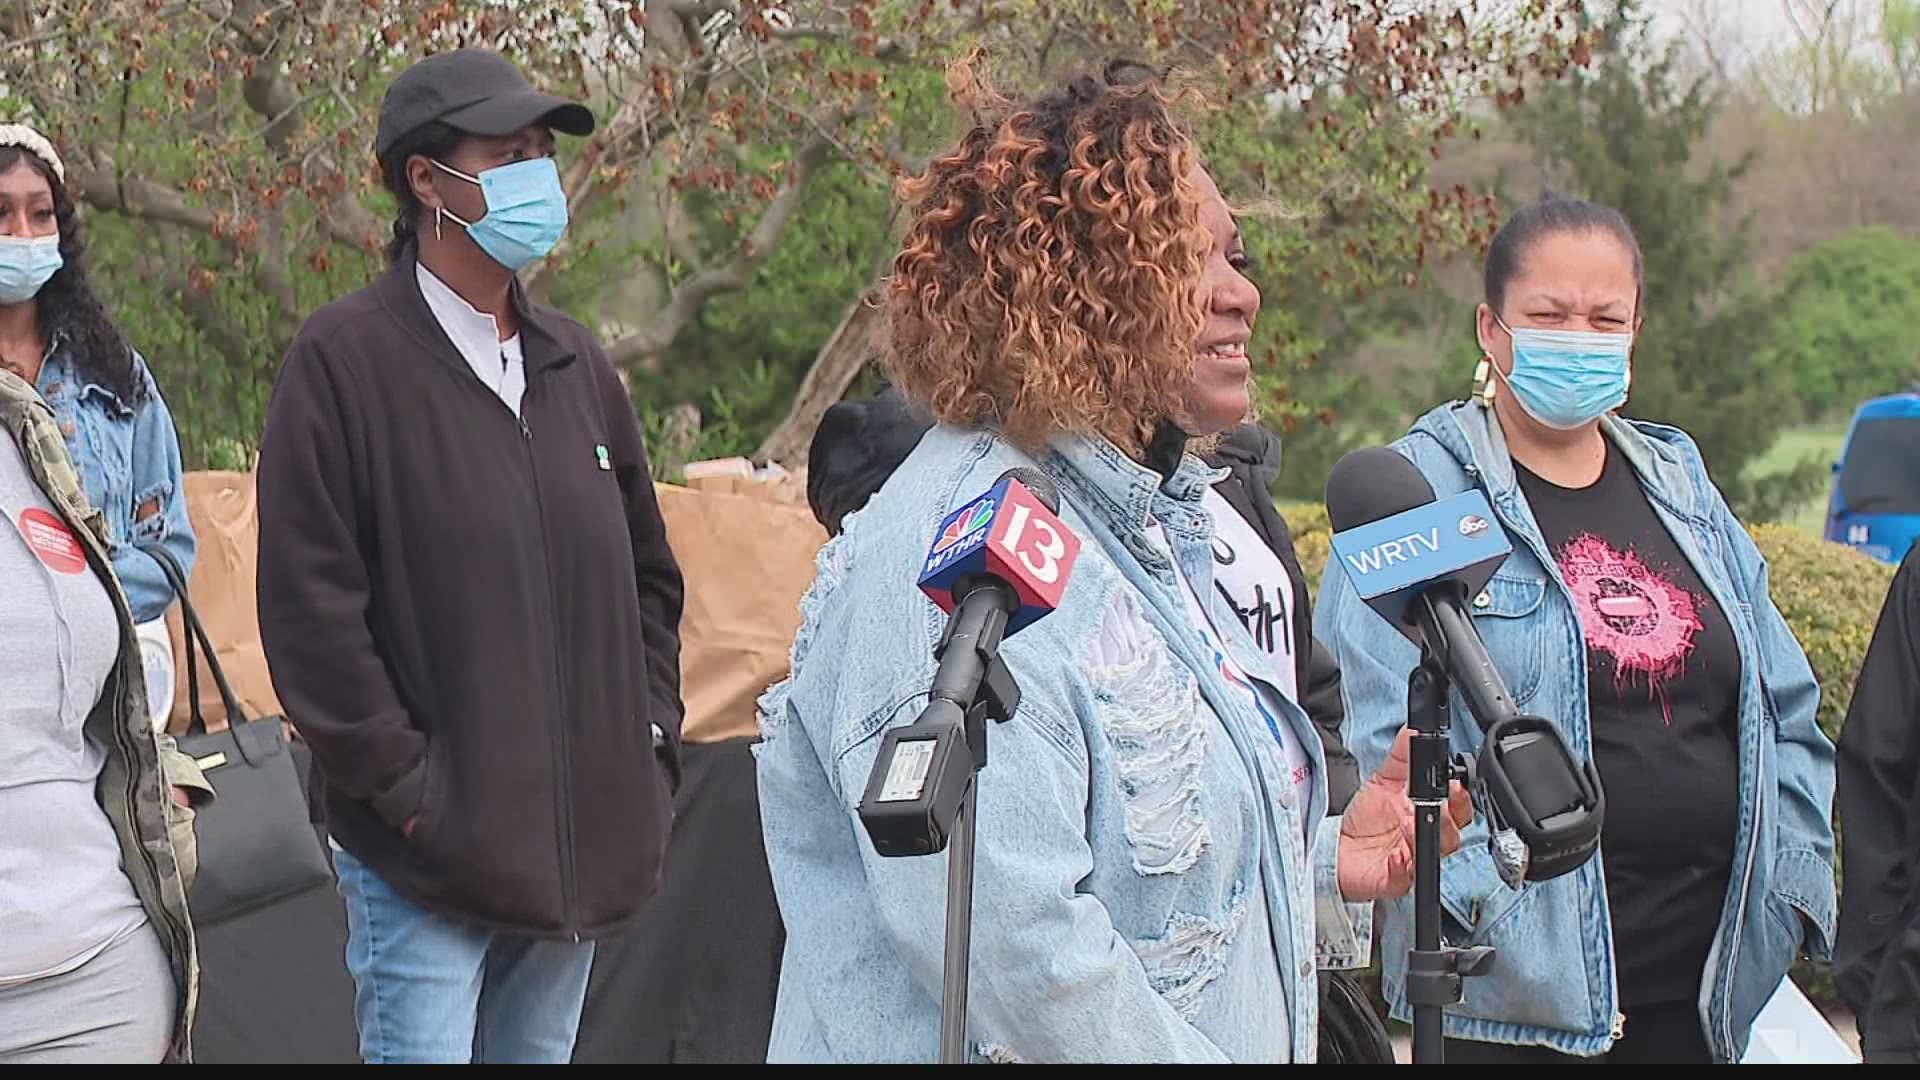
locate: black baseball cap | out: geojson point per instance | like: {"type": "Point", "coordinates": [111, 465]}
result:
{"type": "Point", "coordinates": [477, 91]}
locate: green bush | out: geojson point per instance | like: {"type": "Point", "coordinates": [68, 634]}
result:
{"type": "Point", "coordinates": [1311, 537]}
{"type": "Point", "coordinates": [1829, 594]}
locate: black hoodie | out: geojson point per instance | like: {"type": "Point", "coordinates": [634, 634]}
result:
{"type": "Point", "coordinates": [1877, 955]}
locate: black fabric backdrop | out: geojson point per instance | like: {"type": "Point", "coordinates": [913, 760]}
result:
{"type": "Point", "coordinates": [692, 981]}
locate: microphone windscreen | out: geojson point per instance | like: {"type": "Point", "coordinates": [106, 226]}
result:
{"type": "Point", "coordinates": [1373, 483]}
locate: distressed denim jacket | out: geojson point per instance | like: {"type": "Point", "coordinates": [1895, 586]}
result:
{"type": "Point", "coordinates": [128, 456]}
{"type": "Point", "coordinates": [1146, 888]}
{"type": "Point", "coordinates": [1552, 983]}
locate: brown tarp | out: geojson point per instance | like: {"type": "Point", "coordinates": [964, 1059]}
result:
{"type": "Point", "coordinates": [226, 524]}
{"type": "Point", "coordinates": [747, 558]}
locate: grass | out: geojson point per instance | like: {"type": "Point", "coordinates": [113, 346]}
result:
{"type": "Point", "coordinates": [1820, 442]}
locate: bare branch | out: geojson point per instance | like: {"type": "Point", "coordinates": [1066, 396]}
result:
{"type": "Point", "coordinates": [730, 276]}
{"type": "Point", "coordinates": [854, 342]}
{"type": "Point", "coordinates": [348, 222]}
{"type": "Point", "coordinates": [106, 189]}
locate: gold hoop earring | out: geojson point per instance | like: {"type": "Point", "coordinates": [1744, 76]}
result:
{"type": "Point", "coordinates": [1485, 386]}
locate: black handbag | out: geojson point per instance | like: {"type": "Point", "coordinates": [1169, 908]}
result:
{"type": "Point", "coordinates": [1351, 1033]}
{"type": "Point", "coordinates": [256, 844]}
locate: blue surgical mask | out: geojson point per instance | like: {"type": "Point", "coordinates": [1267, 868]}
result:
{"type": "Point", "coordinates": [1569, 378]}
{"type": "Point", "coordinates": [26, 264]}
{"type": "Point", "coordinates": [526, 211]}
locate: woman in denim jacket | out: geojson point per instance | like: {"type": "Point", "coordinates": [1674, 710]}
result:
{"type": "Point", "coordinates": [1157, 879]}
{"type": "Point", "coordinates": [55, 335]}
{"type": "Point", "coordinates": [1634, 612]}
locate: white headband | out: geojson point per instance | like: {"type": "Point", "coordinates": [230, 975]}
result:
{"type": "Point", "coordinates": [25, 138]}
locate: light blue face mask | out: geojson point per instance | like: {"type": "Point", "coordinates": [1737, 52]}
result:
{"type": "Point", "coordinates": [26, 264]}
{"type": "Point", "coordinates": [526, 211]}
{"type": "Point", "coordinates": [1569, 378]}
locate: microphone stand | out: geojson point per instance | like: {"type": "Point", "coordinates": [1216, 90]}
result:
{"type": "Point", "coordinates": [970, 666]}
{"type": "Point", "coordinates": [1435, 971]}
{"type": "Point", "coordinates": [921, 793]}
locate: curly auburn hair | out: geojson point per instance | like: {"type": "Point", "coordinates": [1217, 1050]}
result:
{"type": "Point", "coordinates": [1049, 278]}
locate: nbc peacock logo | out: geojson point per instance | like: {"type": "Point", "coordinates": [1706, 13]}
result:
{"type": "Point", "coordinates": [965, 524]}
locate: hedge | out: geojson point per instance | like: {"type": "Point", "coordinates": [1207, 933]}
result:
{"type": "Point", "coordinates": [1829, 594]}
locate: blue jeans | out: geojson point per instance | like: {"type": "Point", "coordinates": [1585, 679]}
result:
{"type": "Point", "coordinates": [431, 990]}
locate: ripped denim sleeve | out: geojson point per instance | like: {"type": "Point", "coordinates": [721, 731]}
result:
{"type": "Point", "coordinates": [1342, 932]}
{"type": "Point", "coordinates": [157, 513]}
{"type": "Point", "coordinates": [1151, 711]}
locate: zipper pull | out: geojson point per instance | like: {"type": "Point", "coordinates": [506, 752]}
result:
{"type": "Point", "coordinates": [1619, 1026]}
{"type": "Point", "coordinates": [525, 431]}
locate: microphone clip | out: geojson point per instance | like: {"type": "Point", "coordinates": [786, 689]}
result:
{"type": "Point", "coordinates": [924, 770]}
{"type": "Point", "coordinates": [1509, 853]}
{"type": "Point", "coordinates": [1544, 808]}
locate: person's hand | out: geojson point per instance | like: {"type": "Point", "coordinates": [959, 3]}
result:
{"type": "Point", "coordinates": [1375, 861]}
{"type": "Point", "coordinates": [180, 797]}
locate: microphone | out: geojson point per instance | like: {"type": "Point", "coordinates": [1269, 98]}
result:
{"type": "Point", "coordinates": [1416, 560]}
{"type": "Point", "coordinates": [997, 564]}
{"type": "Point", "coordinates": [1011, 536]}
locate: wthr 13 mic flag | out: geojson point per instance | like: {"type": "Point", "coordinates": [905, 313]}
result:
{"type": "Point", "coordinates": [1010, 534]}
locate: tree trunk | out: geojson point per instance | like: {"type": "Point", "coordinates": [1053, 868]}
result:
{"type": "Point", "coordinates": [838, 363]}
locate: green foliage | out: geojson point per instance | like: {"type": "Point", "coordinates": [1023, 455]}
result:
{"type": "Point", "coordinates": [1847, 323]}
{"type": "Point", "coordinates": [1312, 539]}
{"type": "Point", "coordinates": [1831, 596]}
{"type": "Point", "coordinates": [224, 159]}
{"type": "Point", "coordinates": [744, 355]}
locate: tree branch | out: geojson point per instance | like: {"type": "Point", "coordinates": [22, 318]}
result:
{"type": "Point", "coordinates": [835, 366]}
{"type": "Point", "coordinates": [350, 223]}
{"type": "Point", "coordinates": [133, 197]}
{"type": "Point", "coordinates": [105, 189]}
{"type": "Point", "coordinates": [224, 333]}
{"type": "Point", "coordinates": [730, 276]}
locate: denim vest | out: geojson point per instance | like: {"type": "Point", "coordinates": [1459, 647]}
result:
{"type": "Point", "coordinates": [127, 456]}
{"type": "Point", "coordinates": [1552, 983]}
{"type": "Point", "coordinates": [1145, 888]}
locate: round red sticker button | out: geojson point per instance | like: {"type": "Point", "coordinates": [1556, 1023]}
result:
{"type": "Point", "coordinates": [51, 542]}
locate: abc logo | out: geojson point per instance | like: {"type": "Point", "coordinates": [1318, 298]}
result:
{"type": "Point", "coordinates": [1473, 525]}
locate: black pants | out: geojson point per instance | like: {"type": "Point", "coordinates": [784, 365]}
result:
{"type": "Point", "coordinates": [1664, 1034]}
{"type": "Point", "coordinates": [693, 981]}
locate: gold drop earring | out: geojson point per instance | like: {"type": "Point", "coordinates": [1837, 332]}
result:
{"type": "Point", "coordinates": [1486, 386]}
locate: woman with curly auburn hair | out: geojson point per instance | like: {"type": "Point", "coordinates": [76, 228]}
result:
{"type": "Point", "coordinates": [1156, 876]}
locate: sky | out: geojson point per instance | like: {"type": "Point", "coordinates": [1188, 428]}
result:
{"type": "Point", "coordinates": [1744, 25]}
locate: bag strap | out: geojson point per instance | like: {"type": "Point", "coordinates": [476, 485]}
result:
{"type": "Point", "coordinates": [197, 632]}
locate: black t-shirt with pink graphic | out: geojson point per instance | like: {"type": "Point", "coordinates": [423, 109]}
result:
{"type": "Point", "coordinates": [1663, 674]}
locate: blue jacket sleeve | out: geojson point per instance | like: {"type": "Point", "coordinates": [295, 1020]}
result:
{"type": "Point", "coordinates": [157, 512]}
{"type": "Point", "coordinates": [1803, 755]}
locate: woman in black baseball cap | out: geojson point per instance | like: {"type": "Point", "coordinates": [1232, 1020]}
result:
{"type": "Point", "coordinates": [470, 116]}
{"type": "Point", "coordinates": [466, 594]}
